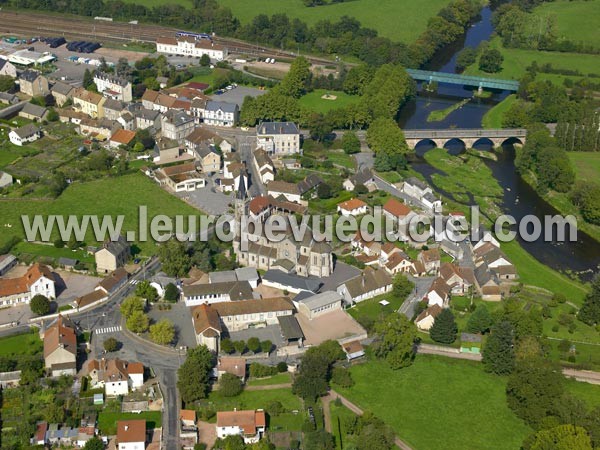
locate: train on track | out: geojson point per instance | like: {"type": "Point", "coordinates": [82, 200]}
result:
{"type": "Point", "coordinates": [197, 36]}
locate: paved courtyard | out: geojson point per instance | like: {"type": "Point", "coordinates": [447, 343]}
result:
{"type": "Point", "coordinates": [271, 333]}
{"type": "Point", "coordinates": [238, 94]}
{"type": "Point", "coordinates": [333, 325]}
{"type": "Point", "coordinates": [208, 199]}
{"type": "Point", "coordinates": [181, 317]}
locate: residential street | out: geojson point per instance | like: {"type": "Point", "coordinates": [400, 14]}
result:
{"type": "Point", "coordinates": [422, 285]}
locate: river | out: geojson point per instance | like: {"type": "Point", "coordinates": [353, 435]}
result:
{"type": "Point", "coordinates": [581, 257]}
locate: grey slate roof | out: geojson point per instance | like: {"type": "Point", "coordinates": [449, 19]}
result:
{"type": "Point", "coordinates": [293, 281]}
{"type": "Point", "coordinates": [237, 290]}
{"type": "Point", "coordinates": [62, 88]}
{"type": "Point", "coordinates": [29, 75]}
{"type": "Point", "coordinates": [320, 300]}
{"type": "Point", "coordinates": [290, 328]}
{"type": "Point", "coordinates": [34, 110]}
{"type": "Point", "coordinates": [212, 105]}
{"type": "Point", "coordinates": [224, 276]}
{"type": "Point", "coordinates": [67, 261]}
{"type": "Point", "coordinates": [27, 131]}
{"type": "Point", "coordinates": [177, 118]}
{"type": "Point", "coordinates": [277, 128]}
{"type": "Point", "coordinates": [10, 98]}
{"type": "Point", "coordinates": [361, 177]}
{"type": "Point", "coordinates": [413, 181]}
{"type": "Point", "coordinates": [114, 105]}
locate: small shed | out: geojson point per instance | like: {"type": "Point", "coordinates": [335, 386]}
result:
{"type": "Point", "coordinates": [291, 330]}
{"type": "Point", "coordinates": [98, 399]}
{"type": "Point", "coordinates": [67, 263]}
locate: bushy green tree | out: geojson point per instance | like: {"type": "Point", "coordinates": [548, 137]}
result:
{"type": "Point", "coordinates": [350, 143]}
{"type": "Point", "coordinates": [131, 305]}
{"type": "Point", "coordinates": [171, 293]}
{"type": "Point", "coordinates": [138, 322]}
{"type": "Point", "coordinates": [480, 321]}
{"type": "Point", "coordinates": [230, 385]}
{"type": "Point", "coordinates": [227, 346]}
{"type": "Point", "coordinates": [499, 352]}
{"type": "Point", "coordinates": [562, 437]}
{"type": "Point", "coordinates": [162, 332]}
{"type": "Point", "coordinates": [193, 375]}
{"type": "Point", "coordinates": [174, 258]}
{"type": "Point", "coordinates": [491, 61]}
{"type": "Point", "coordinates": [146, 291]}
{"type": "Point", "coordinates": [396, 339]}
{"type": "Point", "coordinates": [111, 344]}
{"type": "Point", "coordinates": [444, 327]}
{"type": "Point", "coordinates": [590, 311]}
{"type": "Point", "coordinates": [254, 344]}
{"type": "Point", "coordinates": [39, 305]}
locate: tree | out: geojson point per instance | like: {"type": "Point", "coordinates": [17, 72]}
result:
{"type": "Point", "coordinates": [254, 344]}
{"type": "Point", "coordinates": [174, 258]}
{"type": "Point", "coordinates": [59, 243]}
{"type": "Point", "coordinates": [230, 385]}
{"type": "Point", "coordinates": [138, 322]}
{"type": "Point", "coordinates": [39, 305]}
{"type": "Point", "coordinates": [491, 61]}
{"type": "Point", "coordinates": [171, 293]}
{"type": "Point", "coordinates": [274, 408]}
{"type": "Point", "coordinates": [88, 80]}
{"type": "Point", "coordinates": [52, 115]}
{"type": "Point", "coordinates": [227, 346]}
{"type": "Point", "coordinates": [282, 367]}
{"type": "Point", "coordinates": [240, 347]}
{"type": "Point", "coordinates": [533, 390]}
{"type": "Point", "coordinates": [396, 338]}
{"type": "Point", "coordinates": [324, 191]}
{"type": "Point", "coordinates": [320, 127]}
{"type": "Point", "coordinates": [384, 136]}
{"type": "Point", "coordinates": [465, 58]}
{"type": "Point", "coordinates": [131, 305]}
{"type": "Point", "coordinates": [350, 143]}
{"type": "Point", "coordinates": [480, 321]}
{"type": "Point", "coordinates": [590, 310]}
{"type": "Point", "coordinates": [318, 440]}
{"type": "Point", "coordinates": [562, 437]}
{"type": "Point", "coordinates": [111, 344]}
{"type": "Point", "coordinates": [122, 68]}
{"type": "Point", "coordinates": [193, 375]}
{"type": "Point", "coordinates": [144, 290]}
{"type": "Point", "coordinates": [162, 332]}
{"type": "Point", "coordinates": [266, 346]}
{"type": "Point", "coordinates": [205, 60]}
{"type": "Point", "coordinates": [342, 377]}
{"type": "Point", "coordinates": [401, 286]}
{"type": "Point", "coordinates": [444, 327]}
{"type": "Point", "coordinates": [296, 80]}
{"type": "Point", "coordinates": [6, 83]}
{"type": "Point", "coordinates": [499, 352]}
{"type": "Point", "coordinates": [94, 443]}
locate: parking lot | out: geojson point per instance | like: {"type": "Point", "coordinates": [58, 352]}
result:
{"type": "Point", "coordinates": [238, 94]}
{"type": "Point", "coordinates": [208, 199]}
{"type": "Point", "coordinates": [269, 333]}
{"type": "Point", "coordinates": [181, 317]}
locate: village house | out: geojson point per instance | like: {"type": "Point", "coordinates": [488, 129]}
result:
{"type": "Point", "coordinates": [7, 262]}
{"type": "Point", "coordinates": [113, 108]}
{"type": "Point", "coordinates": [203, 136]}
{"type": "Point", "coordinates": [370, 283]}
{"type": "Point", "coordinates": [360, 178]}
{"type": "Point", "coordinates": [34, 112]}
{"type": "Point", "coordinates": [400, 214]}
{"type": "Point", "coordinates": [116, 376]}
{"type": "Point", "coordinates": [100, 129]}
{"type": "Point", "coordinates": [89, 103]}
{"type": "Point", "coordinates": [121, 137]}
{"type": "Point", "coordinates": [126, 120]}
{"type": "Point", "coordinates": [6, 180]}
{"type": "Point", "coordinates": [242, 274]}
{"type": "Point", "coordinates": [207, 327]}
{"type": "Point", "coordinates": [352, 207]}
{"type": "Point", "coordinates": [399, 262]}
{"type": "Point", "coordinates": [278, 138]}
{"type": "Point", "coordinates": [115, 280]}
{"type": "Point", "coordinates": [221, 114]}
{"type": "Point", "coordinates": [147, 118]}
{"type": "Point", "coordinates": [438, 293]}
{"type": "Point", "coordinates": [131, 434]}
{"type": "Point", "coordinates": [37, 280]}
{"type": "Point", "coordinates": [7, 69]}
{"type": "Point", "coordinates": [229, 291]}
{"type": "Point", "coordinates": [281, 277]}
{"type": "Point", "coordinates": [176, 125]}
{"type": "Point", "coordinates": [188, 430]}
{"type": "Point", "coordinates": [181, 178]}
{"type": "Point", "coordinates": [8, 99]}
{"type": "Point", "coordinates": [62, 93]}
{"type": "Point", "coordinates": [112, 255]}
{"type": "Point", "coordinates": [60, 347]}
{"type": "Point", "coordinates": [487, 283]}
{"type": "Point", "coordinates": [168, 149]}
{"type": "Point", "coordinates": [24, 135]}
{"type": "Point", "coordinates": [209, 158]}
{"type": "Point", "coordinates": [33, 83]}
{"type": "Point", "coordinates": [431, 260]}
{"type": "Point", "coordinates": [314, 305]}
{"type": "Point", "coordinates": [289, 191]}
{"type": "Point", "coordinates": [264, 165]}
{"type": "Point", "coordinates": [460, 279]}
{"type": "Point", "coordinates": [113, 86]}
{"type": "Point", "coordinates": [250, 425]}
{"type": "Point", "coordinates": [157, 101]}
{"type": "Point", "coordinates": [425, 320]}
{"type": "Point", "coordinates": [189, 46]}
{"type": "Point", "coordinates": [232, 365]}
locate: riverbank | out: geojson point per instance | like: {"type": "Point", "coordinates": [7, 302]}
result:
{"type": "Point", "coordinates": [493, 118]}
{"type": "Point", "coordinates": [441, 114]}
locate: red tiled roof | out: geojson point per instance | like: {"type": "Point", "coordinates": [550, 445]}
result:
{"type": "Point", "coordinates": [123, 136]}
{"type": "Point", "coordinates": [396, 208]}
{"type": "Point", "coordinates": [131, 431]}
{"type": "Point", "coordinates": [352, 204]}
{"type": "Point", "coordinates": [248, 421]}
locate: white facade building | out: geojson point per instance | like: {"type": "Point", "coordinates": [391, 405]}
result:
{"type": "Point", "coordinates": [189, 46]}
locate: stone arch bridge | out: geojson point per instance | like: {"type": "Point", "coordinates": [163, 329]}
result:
{"type": "Point", "coordinates": [469, 137]}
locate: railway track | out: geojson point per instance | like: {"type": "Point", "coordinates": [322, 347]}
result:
{"type": "Point", "coordinates": [30, 24]}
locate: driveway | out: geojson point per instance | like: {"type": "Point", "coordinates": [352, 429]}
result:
{"type": "Point", "coordinates": [422, 285]}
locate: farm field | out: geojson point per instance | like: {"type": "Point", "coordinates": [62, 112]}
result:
{"type": "Point", "coordinates": [399, 20]}
{"type": "Point", "coordinates": [314, 102]}
{"type": "Point", "coordinates": [575, 20]}
{"type": "Point", "coordinates": [108, 196]}
{"type": "Point", "coordinates": [442, 396]}
{"type": "Point", "coordinates": [517, 60]}
{"type": "Point", "coordinates": [586, 165]}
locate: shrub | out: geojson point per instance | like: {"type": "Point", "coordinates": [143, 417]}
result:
{"type": "Point", "coordinates": [111, 344]}
{"type": "Point", "coordinates": [230, 385]}
{"type": "Point", "coordinates": [39, 305]}
{"type": "Point", "coordinates": [274, 408]}
{"type": "Point", "coordinates": [282, 367]}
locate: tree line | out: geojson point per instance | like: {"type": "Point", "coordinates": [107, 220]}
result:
{"type": "Point", "coordinates": [343, 37]}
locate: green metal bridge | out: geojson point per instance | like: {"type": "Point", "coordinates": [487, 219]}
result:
{"type": "Point", "coordinates": [464, 80]}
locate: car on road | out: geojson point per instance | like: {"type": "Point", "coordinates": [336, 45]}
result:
{"type": "Point", "coordinates": [244, 128]}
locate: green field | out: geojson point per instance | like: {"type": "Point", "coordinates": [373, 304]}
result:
{"type": "Point", "coordinates": [586, 165]}
{"type": "Point", "coordinates": [493, 118]}
{"type": "Point", "coordinates": [314, 102]}
{"type": "Point", "coordinates": [576, 20]}
{"type": "Point", "coordinates": [108, 196]}
{"type": "Point", "coordinates": [29, 343]}
{"type": "Point", "coordinates": [516, 61]}
{"type": "Point", "coordinates": [107, 421]}
{"type": "Point", "coordinates": [439, 403]}
{"type": "Point", "coordinates": [339, 417]}
{"type": "Point", "coordinates": [372, 309]}
{"type": "Point", "coordinates": [51, 252]}
{"type": "Point", "coordinates": [399, 20]}
{"type": "Point", "coordinates": [280, 378]}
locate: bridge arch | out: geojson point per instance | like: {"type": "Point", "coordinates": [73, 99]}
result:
{"type": "Point", "coordinates": [422, 146]}
{"type": "Point", "coordinates": [455, 146]}
{"type": "Point", "coordinates": [513, 141]}
{"type": "Point", "coordinates": [483, 143]}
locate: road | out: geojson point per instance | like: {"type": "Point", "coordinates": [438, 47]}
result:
{"type": "Point", "coordinates": [422, 285]}
{"type": "Point", "coordinates": [163, 361]}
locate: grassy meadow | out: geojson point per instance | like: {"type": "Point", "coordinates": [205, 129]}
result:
{"type": "Point", "coordinates": [576, 20]}
{"type": "Point", "coordinates": [314, 102]}
{"type": "Point", "coordinates": [586, 165]}
{"type": "Point", "coordinates": [493, 118]}
{"type": "Point", "coordinates": [458, 404]}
